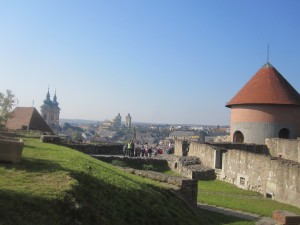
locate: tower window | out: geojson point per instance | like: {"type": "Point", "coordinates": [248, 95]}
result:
{"type": "Point", "coordinates": [284, 133]}
{"type": "Point", "coordinates": [238, 137]}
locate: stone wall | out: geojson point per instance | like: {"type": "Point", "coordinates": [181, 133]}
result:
{"type": "Point", "coordinates": [132, 160]}
{"type": "Point", "coordinates": [186, 188]}
{"type": "Point", "coordinates": [110, 149]}
{"type": "Point", "coordinates": [246, 170]}
{"type": "Point", "coordinates": [189, 166]}
{"type": "Point", "coordinates": [204, 152]}
{"type": "Point", "coordinates": [285, 148]}
{"type": "Point", "coordinates": [253, 168]}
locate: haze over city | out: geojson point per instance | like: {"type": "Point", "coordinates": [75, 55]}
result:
{"type": "Point", "coordinates": [161, 61]}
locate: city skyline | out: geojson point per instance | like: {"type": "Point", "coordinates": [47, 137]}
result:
{"type": "Point", "coordinates": [171, 62]}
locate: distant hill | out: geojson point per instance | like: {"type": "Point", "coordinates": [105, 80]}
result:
{"type": "Point", "coordinates": [78, 121]}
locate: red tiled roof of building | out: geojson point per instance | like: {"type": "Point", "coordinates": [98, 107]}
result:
{"type": "Point", "coordinates": [267, 86]}
{"type": "Point", "coordinates": [27, 118]}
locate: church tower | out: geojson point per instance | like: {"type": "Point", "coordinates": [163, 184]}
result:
{"type": "Point", "coordinates": [128, 121]}
{"type": "Point", "coordinates": [50, 110]}
{"type": "Point", "coordinates": [266, 107]}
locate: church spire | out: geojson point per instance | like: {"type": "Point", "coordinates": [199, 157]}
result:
{"type": "Point", "coordinates": [55, 99]}
{"type": "Point", "coordinates": [48, 95]}
{"type": "Point", "coordinates": [48, 101]}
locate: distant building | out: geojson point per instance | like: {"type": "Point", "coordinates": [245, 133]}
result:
{"type": "Point", "coordinates": [106, 124]}
{"type": "Point", "coordinates": [50, 111]}
{"type": "Point", "coordinates": [117, 121]}
{"type": "Point", "coordinates": [128, 120]}
{"type": "Point", "coordinates": [266, 107]}
{"type": "Point", "coordinates": [27, 118]}
{"type": "Point", "coordinates": [87, 136]}
{"type": "Point", "coordinates": [184, 135]}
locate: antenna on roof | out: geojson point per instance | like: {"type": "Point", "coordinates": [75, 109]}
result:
{"type": "Point", "coordinates": [268, 54]}
{"type": "Point", "coordinates": [33, 103]}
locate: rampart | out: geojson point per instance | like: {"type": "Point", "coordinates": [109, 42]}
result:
{"type": "Point", "coordinates": [109, 149]}
{"type": "Point", "coordinates": [251, 167]}
{"type": "Point", "coordinates": [186, 188]}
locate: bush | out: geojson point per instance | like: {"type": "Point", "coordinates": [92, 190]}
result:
{"type": "Point", "coordinates": [149, 167]}
{"type": "Point", "coordinates": [119, 163]}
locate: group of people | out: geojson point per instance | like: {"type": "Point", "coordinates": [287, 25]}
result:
{"type": "Point", "coordinates": [144, 150]}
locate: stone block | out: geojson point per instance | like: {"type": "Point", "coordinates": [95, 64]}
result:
{"type": "Point", "coordinates": [11, 150]}
{"type": "Point", "coordinates": [286, 218]}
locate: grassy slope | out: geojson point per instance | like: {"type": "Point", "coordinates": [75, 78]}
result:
{"type": "Point", "coordinates": [56, 185]}
{"type": "Point", "coordinates": [229, 196]}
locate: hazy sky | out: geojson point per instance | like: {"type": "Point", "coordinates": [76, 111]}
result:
{"type": "Point", "coordinates": [164, 61]}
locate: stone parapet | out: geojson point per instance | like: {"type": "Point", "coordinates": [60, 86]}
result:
{"type": "Point", "coordinates": [105, 149]}
{"type": "Point", "coordinates": [284, 148]}
{"type": "Point", "coordinates": [186, 188]}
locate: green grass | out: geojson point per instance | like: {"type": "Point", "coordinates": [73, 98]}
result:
{"type": "Point", "coordinates": [55, 185]}
{"type": "Point", "coordinates": [227, 195]}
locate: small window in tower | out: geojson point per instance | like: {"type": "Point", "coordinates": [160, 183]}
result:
{"type": "Point", "coordinates": [238, 137]}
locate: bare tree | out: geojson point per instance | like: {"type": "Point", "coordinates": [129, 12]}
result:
{"type": "Point", "coordinates": [7, 101]}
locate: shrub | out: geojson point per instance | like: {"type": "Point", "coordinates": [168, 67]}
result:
{"type": "Point", "coordinates": [119, 163]}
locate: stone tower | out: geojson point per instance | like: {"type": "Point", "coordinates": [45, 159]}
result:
{"type": "Point", "coordinates": [128, 120]}
{"type": "Point", "coordinates": [266, 107]}
{"type": "Point", "coordinates": [50, 110]}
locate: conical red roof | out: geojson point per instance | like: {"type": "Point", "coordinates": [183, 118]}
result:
{"type": "Point", "coordinates": [267, 86]}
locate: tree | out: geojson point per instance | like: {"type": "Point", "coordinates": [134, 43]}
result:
{"type": "Point", "coordinates": [6, 103]}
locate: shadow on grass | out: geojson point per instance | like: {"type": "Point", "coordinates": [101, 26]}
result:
{"type": "Point", "coordinates": [25, 209]}
{"type": "Point", "coordinates": [33, 165]}
{"type": "Point", "coordinates": [95, 201]}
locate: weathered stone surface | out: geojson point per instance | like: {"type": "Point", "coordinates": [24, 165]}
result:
{"type": "Point", "coordinates": [11, 150]}
{"type": "Point", "coordinates": [252, 168]}
{"type": "Point", "coordinates": [186, 188]}
{"type": "Point", "coordinates": [284, 148]}
{"type": "Point", "coordinates": [286, 218]}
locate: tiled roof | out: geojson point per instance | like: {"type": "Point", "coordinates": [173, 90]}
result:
{"type": "Point", "coordinates": [27, 117]}
{"type": "Point", "coordinates": [267, 86]}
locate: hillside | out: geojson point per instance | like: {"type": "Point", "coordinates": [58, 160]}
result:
{"type": "Point", "coordinates": [57, 185]}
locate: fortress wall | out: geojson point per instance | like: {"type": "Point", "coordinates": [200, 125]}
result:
{"type": "Point", "coordinates": [284, 181]}
{"type": "Point", "coordinates": [274, 177]}
{"type": "Point", "coordinates": [246, 170]}
{"type": "Point", "coordinates": [110, 149]}
{"type": "Point", "coordinates": [286, 148]}
{"type": "Point", "coordinates": [205, 152]}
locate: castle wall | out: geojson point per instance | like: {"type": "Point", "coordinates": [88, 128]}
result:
{"type": "Point", "coordinates": [253, 169]}
{"type": "Point", "coordinates": [287, 149]}
{"type": "Point", "coordinates": [246, 170]}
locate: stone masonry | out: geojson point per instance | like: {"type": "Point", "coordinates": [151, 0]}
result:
{"type": "Point", "coordinates": [252, 167]}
